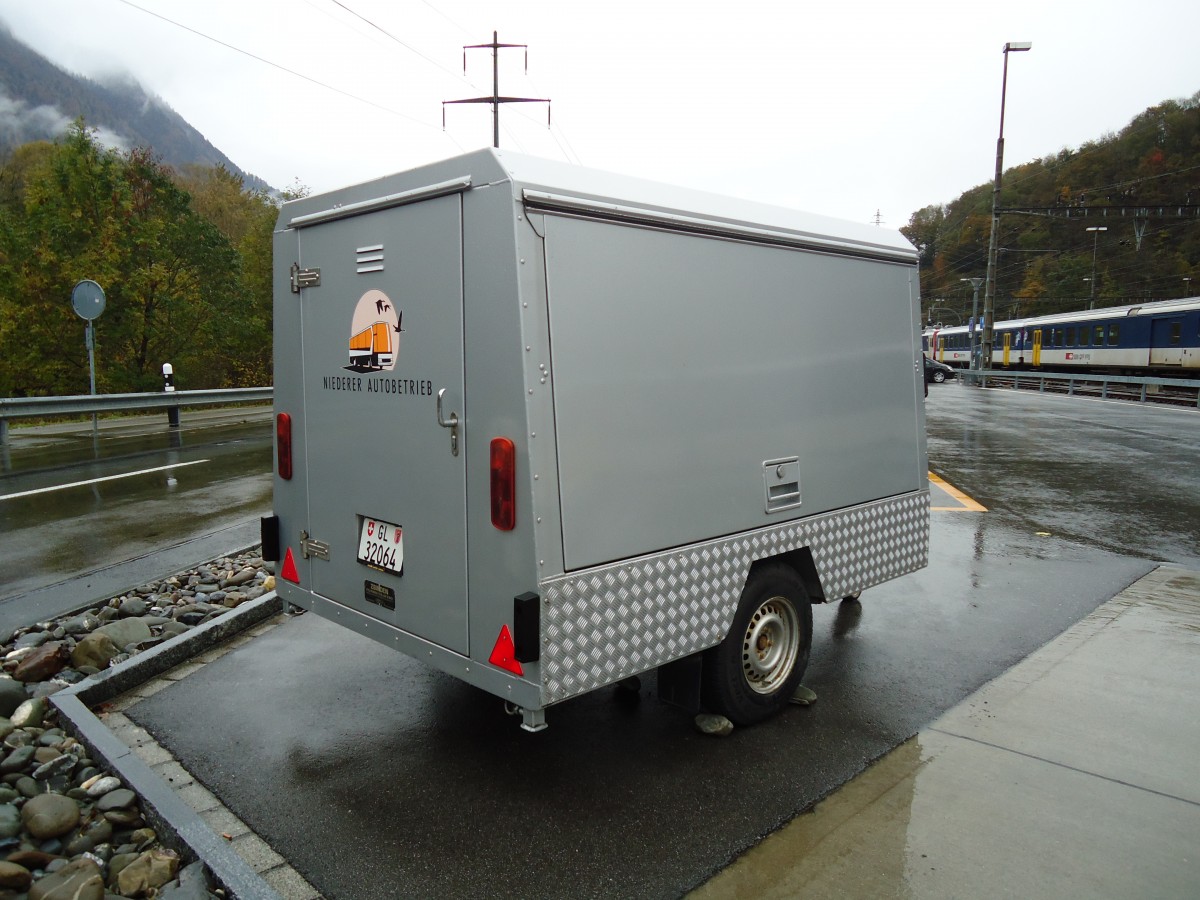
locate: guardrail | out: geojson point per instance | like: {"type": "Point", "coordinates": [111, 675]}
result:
{"type": "Point", "coordinates": [1145, 388]}
{"type": "Point", "coordinates": [28, 407]}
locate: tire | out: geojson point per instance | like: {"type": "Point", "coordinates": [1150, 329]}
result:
{"type": "Point", "coordinates": [939, 376]}
{"type": "Point", "coordinates": [752, 674]}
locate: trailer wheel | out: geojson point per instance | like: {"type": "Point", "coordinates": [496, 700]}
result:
{"type": "Point", "coordinates": [751, 674]}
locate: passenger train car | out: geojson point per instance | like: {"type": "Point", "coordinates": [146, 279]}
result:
{"type": "Point", "coordinates": [1159, 337]}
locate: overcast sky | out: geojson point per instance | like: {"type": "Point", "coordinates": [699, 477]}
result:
{"type": "Point", "coordinates": [841, 108]}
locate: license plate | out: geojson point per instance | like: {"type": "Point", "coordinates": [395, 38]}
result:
{"type": "Point", "coordinates": [381, 546]}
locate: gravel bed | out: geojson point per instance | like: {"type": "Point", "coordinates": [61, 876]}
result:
{"type": "Point", "coordinates": [68, 828]}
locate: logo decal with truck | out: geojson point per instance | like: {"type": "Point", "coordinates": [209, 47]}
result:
{"type": "Point", "coordinates": [374, 347]}
{"type": "Point", "coordinates": [375, 334]}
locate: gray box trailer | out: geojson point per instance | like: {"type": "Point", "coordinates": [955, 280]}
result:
{"type": "Point", "coordinates": [547, 428]}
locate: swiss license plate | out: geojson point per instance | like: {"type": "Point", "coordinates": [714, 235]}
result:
{"type": "Point", "coordinates": [381, 545]}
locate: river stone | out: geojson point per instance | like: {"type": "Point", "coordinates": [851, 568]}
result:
{"type": "Point", "coordinates": [79, 879]}
{"type": "Point", "coordinates": [95, 651]}
{"type": "Point", "coordinates": [119, 861]}
{"type": "Point", "coordinates": [126, 631]}
{"type": "Point", "coordinates": [101, 785]}
{"type": "Point", "coordinates": [710, 723]}
{"type": "Point", "coordinates": [121, 798]}
{"type": "Point", "coordinates": [30, 713]}
{"type": "Point", "coordinates": [10, 820]}
{"type": "Point", "coordinates": [27, 787]}
{"type": "Point", "coordinates": [60, 765]}
{"type": "Point", "coordinates": [31, 859]}
{"type": "Point", "coordinates": [12, 695]}
{"type": "Point", "coordinates": [14, 877]}
{"type": "Point", "coordinates": [43, 663]}
{"type": "Point", "coordinates": [240, 578]}
{"type": "Point", "coordinates": [174, 629]}
{"type": "Point", "coordinates": [31, 639]}
{"type": "Point", "coordinates": [17, 760]}
{"type": "Point", "coordinates": [132, 607]}
{"type": "Point", "coordinates": [126, 818]}
{"type": "Point", "coordinates": [80, 624]}
{"type": "Point", "coordinates": [47, 688]}
{"type": "Point", "coordinates": [151, 870]}
{"type": "Point", "coordinates": [193, 885]}
{"type": "Point", "coordinates": [98, 832]}
{"type": "Point", "coordinates": [49, 815]}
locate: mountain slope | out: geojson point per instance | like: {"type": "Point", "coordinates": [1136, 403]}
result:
{"type": "Point", "coordinates": [38, 101]}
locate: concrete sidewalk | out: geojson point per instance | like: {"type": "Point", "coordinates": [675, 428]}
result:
{"type": "Point", "coordinates": [1074, 774]}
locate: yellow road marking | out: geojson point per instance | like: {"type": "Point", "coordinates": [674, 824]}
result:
{"type": "Point", "coordinates": [967, 503]}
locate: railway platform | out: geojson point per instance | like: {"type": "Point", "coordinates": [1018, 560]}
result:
{"type": "Point", "coordinates": [1072, 774]}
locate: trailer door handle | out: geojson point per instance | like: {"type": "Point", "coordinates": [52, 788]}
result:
{"type": "Point", "coordinates": [451, 423]}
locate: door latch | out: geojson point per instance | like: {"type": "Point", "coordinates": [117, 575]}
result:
{"type": "Point", "coordinates": [451, 423]}
{"type": "Point", "coordinates": [310, 547]}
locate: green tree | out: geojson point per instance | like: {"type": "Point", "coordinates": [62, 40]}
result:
{"type": "Point", "coordinates": [172, 279]}
{"type": "Point", "coordinates": [247, 219]}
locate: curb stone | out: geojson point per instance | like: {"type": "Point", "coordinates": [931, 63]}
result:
{"type": "Point", "coordinates": [170, 815]}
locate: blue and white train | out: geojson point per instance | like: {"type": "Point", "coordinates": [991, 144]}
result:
{"type": "Point", "coordinates": [1159, 337]}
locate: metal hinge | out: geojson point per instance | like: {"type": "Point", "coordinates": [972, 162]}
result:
{"type": "Point", "coordinates": [302, 278]}
{"type": "Point", "coordinates": [310, 547]}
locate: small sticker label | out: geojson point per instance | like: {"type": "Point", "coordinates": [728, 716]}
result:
{"type": "Point", "coordinates": [379, 594]}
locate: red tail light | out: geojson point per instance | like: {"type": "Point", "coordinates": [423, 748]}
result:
{"type": "Point", "coordinates": [504, 484]}
{"type": "Point", "coordinates": [283, 445]}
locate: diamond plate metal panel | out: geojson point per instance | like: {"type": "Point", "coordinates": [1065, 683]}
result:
{"type": "Point", "coordinates": [605, 623]}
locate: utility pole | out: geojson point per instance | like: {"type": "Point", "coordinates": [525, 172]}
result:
{"type": "Point", "coordinates": [496, 99]}
{"type": "Point", "coordinates": [990, 280]}
{"type": "Point", "coordinates": [1095, 230]}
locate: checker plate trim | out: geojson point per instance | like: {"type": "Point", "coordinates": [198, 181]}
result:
{"type": "Point", "coordinates": [605, 623]}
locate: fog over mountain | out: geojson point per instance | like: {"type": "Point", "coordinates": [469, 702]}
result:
{"type": "Point", "coordinates": [39, 100]}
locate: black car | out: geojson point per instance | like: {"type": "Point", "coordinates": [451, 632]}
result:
{"type": "Point", "coordinates": [938, 372]}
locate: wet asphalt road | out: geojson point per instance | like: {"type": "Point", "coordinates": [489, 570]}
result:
{"type": "Point", "coordinates": [375, 776]}
{"type": "Point", "coordinates": [65, 547]}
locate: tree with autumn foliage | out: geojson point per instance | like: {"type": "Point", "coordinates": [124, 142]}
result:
{"type": "Point", "coordinates": [1045, 260]}
{"type": "Point", "coordinates": [178, 287]}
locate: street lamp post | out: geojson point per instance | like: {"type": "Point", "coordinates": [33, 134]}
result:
{"type": "Point", "coordinates": [989, 295]}
{"type": "Point", "coordinates": [975, 283]}
{"type": "Point", "coordinates": [1095, 229]}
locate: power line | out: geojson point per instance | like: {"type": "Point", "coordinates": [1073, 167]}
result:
{"type": "Point", "coordinates": [407, 47]}
{"type": "Point", "coordinates": [275, 65]}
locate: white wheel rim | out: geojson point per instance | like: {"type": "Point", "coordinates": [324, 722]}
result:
{"type": "Point", "coordinates": [770, 645]}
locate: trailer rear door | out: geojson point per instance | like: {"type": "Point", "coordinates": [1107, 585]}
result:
{"type": "Point", "coordinates": [382, 335]}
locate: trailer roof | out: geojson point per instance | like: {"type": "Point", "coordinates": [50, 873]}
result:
{"type": "Point", "coordinates": [560, 186]}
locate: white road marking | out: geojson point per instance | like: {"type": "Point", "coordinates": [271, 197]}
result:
{"type": "Point", "coordinates": [63, 487]}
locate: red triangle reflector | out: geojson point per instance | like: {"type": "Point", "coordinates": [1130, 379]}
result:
{"type": "Point", "coordinates": [289, 568]}
{"type": "Point", "coordinates": [504, 653]}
